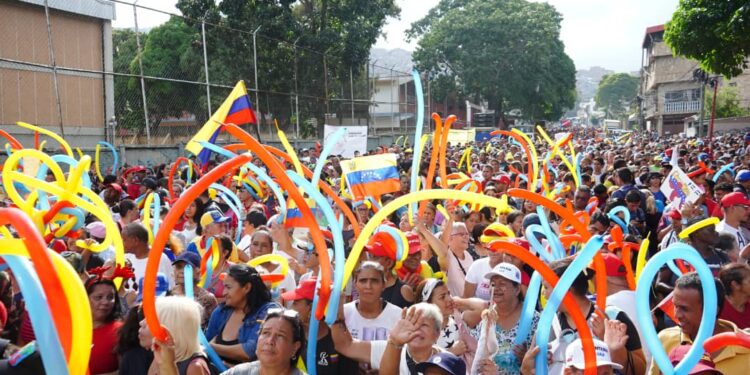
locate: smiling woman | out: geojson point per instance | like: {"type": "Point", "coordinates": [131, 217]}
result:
{"type": "Point", "coordinates": [105, 311]}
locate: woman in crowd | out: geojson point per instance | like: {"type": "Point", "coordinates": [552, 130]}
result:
{"type": "Point", "coordinates": [182, 353]}
{"type": "Point", "coordinates": [280, 344]}
{"type": "Point", "coordinates": [234, 325]}
{"type": "Point", "coordinates": [128, 211]}
{"type": "Point", "coordinates": [412, 340]}
{"type": "Point", "coordinates": [134, 346]}
{"type": "Point", "coordinates": [191, 224]}
{"type": "Point", "coordinates": [507, 300]}
{"type": "Point", "coordinates": [215, 285]}
{"type": "Point", "coordinates": [105, 312]}
{"type": "Point", "coordinates": [736, 280]}
{"type": "Point", "coordinates": [370, 317]}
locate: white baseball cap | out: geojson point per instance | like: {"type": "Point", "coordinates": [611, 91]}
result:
{"type": "Point", "coordinates": [574, 355]}
{"type": "Point", "coordinates": [507, 271]}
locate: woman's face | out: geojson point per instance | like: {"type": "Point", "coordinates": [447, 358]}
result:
{"type": "Point", "coordinates": [102, 301]}
{"type": "Point", "coordinates": [370, 285]}
{"type": "Point", "coordinates": [442, 299]}
{"type": "Point", "coordinates": [190, 211]}
{"type": "Point", "coordinates": [429, 217]}
{"type": "Point", "coordinates": [426, 334]}
{"type": "Point", "coordinates": [505, 291]}
{"type": "Point", "coordinates": [144, 335]}
{"type": "Point", "coordinates": [517, 224]}
{"type": "Point", "coordinates": [276, 345]}
{"type": "Point", "coordinates": [529, 206]}
{"type": "Point", "coordinates": [260, 245]}
{"type": "Point", "coordinates": [235, 293]}
{"type": "Point", "coordinates": [473, 219]}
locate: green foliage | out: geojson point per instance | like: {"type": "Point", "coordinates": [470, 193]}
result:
{"type": "Point", "coordinates": [507, 52]}
{"type": "Point", "coordinates": [129, 111]}
{"type": "Point", "coordinates": [714, 32]}
{"type": "Point", "coordinates": [616, 93]}
{"type": "Point", "coordinates": [727, 103]}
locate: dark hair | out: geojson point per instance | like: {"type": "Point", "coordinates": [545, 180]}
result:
{"type": "Point", "coordinates": [421, 286]}
{"type": "Point", "coordinates": [226, 244]}
{"type": "Point", "coordinates": [726, 242]}
{"type": "Point", "coordinates": [600, 217]}
{"type": "Point", "coordinates": [124, 207]}
{"type": "Point", "coordinates": [92, 282]}
{"type": "Point", "coordinates": [200, 209]}
{"type": "Point", "coordinates": [724, 186]}
{"type": "Point", "coordinates": [626, 175]}
{"type": "Point", "coordinates": [136, 230]}
{"type": "Point", "coordinates": [256, 218]}
{"type": "Point", "coordinates": [298, 333]}
{"type": "Point", "coordinates": [127, 335]}
{"type": "Point", "coordinates": [693, 281]}
{"type": "Point", "coordinates": [259, 294]}
{"type": "Point", "coordinates": [581, 283]}
{"type": "Point", "coordinates": [600, 189]}
{"type": "Point", "coordinates": [736, 272]}
{"type": "Point", "coordinates": [633, 196]}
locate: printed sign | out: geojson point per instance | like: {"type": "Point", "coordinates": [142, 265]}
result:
{"type": "Point", "coordinates": [680, 189]}
{"type": "Point", "coordinates": [354, 139]}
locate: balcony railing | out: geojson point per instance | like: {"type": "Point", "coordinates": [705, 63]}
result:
{"type": "Point", "coordinates": [682, 107]}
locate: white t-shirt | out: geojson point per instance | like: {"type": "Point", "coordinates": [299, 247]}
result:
{"type": "Point", "coordinates": [377, 349]}
{"type": "Point", "coordinates": [365, 329]}
{"type": "Point", "coordinates": [740, 234]}
{"type": "Point", "coordinates": [457, 270]}
{"type": "Point", "coordinates": [625, 301]}
{"type": "Point", "coordinates": [475, 275]}
{"type": "Point", "coordinates": [244, 244]}
{"type": "Point", "coordinates": [139, 269]}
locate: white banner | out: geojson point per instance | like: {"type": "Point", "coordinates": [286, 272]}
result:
{"type": "Point", "coordinates": [354, 139]}
{"type": "Point", "coordinates": [680, 189]}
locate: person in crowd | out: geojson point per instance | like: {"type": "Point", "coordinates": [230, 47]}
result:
{"type": "Point", "coordinates": [575, 363]}
{"type": "Point", "coordinates": [105, 312]}
{"type": "Point", "coordinates": [735, 278]}
{"type": "Point", "coordinates": [234, 325]}
{"type": "Point", "coordinates": [454, 260]}
{"type": "Point", "coordinates": [253, 221]}
{"type": "Point", "coordinates": [191, 223]}
{"type": "Point", "coordinates": [280, 343]}
{"type": "Point", "coordinates": [127, 211]}
{"type": "Point", "coordinates": [135, 242]}
{"type": "Point", "coordinates": [370, 317]}
{"type": "Point", "coordinates": [443, 364]}
{"type": "Point", "coordinates": [205, 298]}
{"type": "Point", "coordinates": [212, 223]}
{"type": "Point", "coordinates": [475, 284]}
{"type": "Point", "coordinates": [396, 291]}
{"type": "Point", "coordinates": [736, 209]}
{"type": "Point", "coordinates": [135, 354]}
{"type": "Point", "coordinates": [328, 360]}
{"type": "Point", "coordinates": [688, 309]}
{"type": "Point", "coordinates": [411, 341]}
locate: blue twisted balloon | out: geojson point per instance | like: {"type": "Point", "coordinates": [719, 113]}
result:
{"type": "Point", "coordinates": [612, 214]}
{"type": "Point", "coordinates": [417, 135]}
{"type": "Point", "coordinates": [726, 168]}
{"type": "Point", "coordinates": [188, 275]}
{"type": "Point", "coordinates": [330, 143]}
{"type": "Point", "coordinates": [529, 306]}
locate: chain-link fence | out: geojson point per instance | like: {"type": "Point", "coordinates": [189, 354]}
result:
{"type": "Point", "coordinates": [159, 85]}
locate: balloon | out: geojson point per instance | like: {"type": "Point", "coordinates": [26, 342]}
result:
{"type": "Point", "coordinates": [96, 159]}
{"type": "Point", "coordinates": [13, 141]}
{"type": "Point", "coordinates": [209, 257]}
{"type": "Point", "coordinates": [560, 290]}
{"type": "Point", "coordinates": [612, 214]}
{"type": "Point", "coordinates": [288, 147]}
{"type": "Point", "coordinates": [721, 340]}
{"type": "Point", "coordinates": [50, 134]}
{"type": "Point", "coordinates": [548, 275]}
{"type": "Point", "coordinates": [275, 258]}
{"type": "Point", "coordinates": [402, 244]}
{"type": "Point", "coordinates": [552, 238]}
{"type": "Point", "coordinates": [172, 171]}
{"type": "Point", "coordinates": [556, 150]}
{"type": "Point", "coordinates": [444, 148]}
{"type": "Point", "coordinates": [726, 168]}
{"type": "Point", "coordinates": [537, 246]}
{"type": "Point", "coordinates": [708, 320]}
{"type": "Point", "coordinates": [215, 359]}
{"type": "Point", "coordinates": [528, 309]}
{"type": "Point", "coordinates": [331, 142]}
{"type": "Point", "coordinates": [436, 147]}
{"type": "Point", "coordinates": [528, 148]}
{"type": "Point", "coordinates": [641, 260]}
{"type": "Point", "coordinates": [338, 244]}
{"type": "Point", "coordinates": [697, 226]}
{"type": "Point", "coordinates": [418, 145]}
{"type": "Point", "coordinates": [560, 211]}
{"type": "Point", "coordinates": [312, 334]}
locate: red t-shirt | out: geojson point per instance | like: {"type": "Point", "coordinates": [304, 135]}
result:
{"type": "Point", "coordinates": [103, 357]}
{"type": "Point", "coordinates": [741, 319]}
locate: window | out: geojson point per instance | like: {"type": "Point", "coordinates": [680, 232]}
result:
{"type": "Point", "coordinates": [690, 95]}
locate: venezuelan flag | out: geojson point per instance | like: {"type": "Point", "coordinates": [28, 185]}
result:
{"type": "Point", "coordinates": [236, 109]}
{"type": "Point", "coordinates": [371, 176]}
{"type": "Point", "coordinates": [294, 216]}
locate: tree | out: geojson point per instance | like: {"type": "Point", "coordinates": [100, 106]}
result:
{"type": "Point", "coordinates": [507, 52]}
{"type": "Point", "coordinates": [714, 32]}
{"type": "Point", "coordinates": [727, 103]}
{"type": "Point", "coordinates": [129, 107]}
{"type": "Point", "coordinates": [616, 93]}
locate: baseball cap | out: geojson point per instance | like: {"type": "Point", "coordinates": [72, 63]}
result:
{"type": "Point", "coordinates": [446, 361]}
{"type": "Point", "coordinates": [705, 365]}
{"type": "Point", "coordinates": [733, 199]}
{"type": "Point", "coordinates": [505, 270]}
{"type": "Point", "coordinates": [503, 179]}
{"type": "Point", "coordinates": [149, 183]}
{"type": "Point", "coordinates": [97, 229]}
{"type": "Point", "coordinates": [305, 290]}
{"type": "Point", "coordinates": [743, 176]}
{"type": "Point", "coordinates": [613, 265]}
{"type": "Point", "coordinates": [574, 355]}
{"type": "Point", "coordinates": [188, 257]}
{"type": "Point", "coordinates": [377, 249]}
{"type": "Point", "coordinates": [212, 216]}
{"type": "Point", "coordinates": [116, 187]}
{"type": "Point", "coordinates": [414, 245]}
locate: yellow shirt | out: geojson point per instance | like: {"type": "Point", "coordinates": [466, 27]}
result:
{"type": "Point", "coordinates": [728, 360]}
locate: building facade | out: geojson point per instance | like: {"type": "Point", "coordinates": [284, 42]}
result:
{"type": "Point", "coordinates": [31, 84]}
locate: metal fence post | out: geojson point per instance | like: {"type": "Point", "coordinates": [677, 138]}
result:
{"type": "Point", "coordinates": [140, 66]}
{"type": "Point", "coordinates": [255, 68]}
{"type": "Point", "coordinates": [296, 93]}
{"type": "Point", "coordinates": [54, 67]}
{"type": "Point", "coordinates": [351, 91]}
{"type": "Point", "coordinates": [205, 65]}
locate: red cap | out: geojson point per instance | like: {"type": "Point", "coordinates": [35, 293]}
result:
{"type": "Point", "coordinates": [377, 249]}
{"type": "Point", "coordinates": [704, 366]}
{"type": "Point", "coordinates": [733, 199]}
{"type": "Point", "coordinates": [503, 179]}
{"type": "Point", "coordinates": [521, 242]}
{"type": "Point", "coordinates": [613, 265]}
{"type": "Point", "coordinates": [414, 245]}
{"type": "Point", "coordinates": [305, 290]}
{"type": "Point", "coordinates": [675, 215]}
{"type": "Point", "coordinates": [116, 186]}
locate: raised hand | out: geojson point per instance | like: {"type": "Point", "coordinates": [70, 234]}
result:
{"type": "Point", "coordinates": [405, 329]}
{"type": "Point", "coordinates": [615, 334]}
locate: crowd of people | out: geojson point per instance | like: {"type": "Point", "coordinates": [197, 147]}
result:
{"type": "Point", "coordinates": [453, 304]}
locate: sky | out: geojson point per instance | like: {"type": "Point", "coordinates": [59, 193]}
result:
{"type": "Point", "coordinates": [606, 33]}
